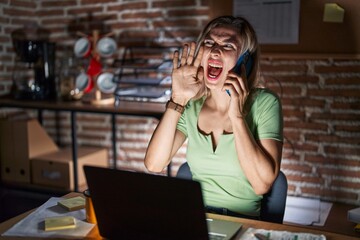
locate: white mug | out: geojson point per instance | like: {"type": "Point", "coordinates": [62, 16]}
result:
{"type": "Point", "coordinates": [106, 46]}
{"type": "Point", "coordinates": [105, 82]}
{"type": "Point", "coordinates": [82, 47]}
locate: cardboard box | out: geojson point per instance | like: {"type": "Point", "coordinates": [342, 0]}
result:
{"type": "Point", "coordinates": [20, 140]}
{"type": "Point", "coordinates": [56, 169]}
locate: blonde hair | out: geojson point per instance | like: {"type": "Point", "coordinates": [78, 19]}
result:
{"type": "Point", "coordinates": [248, 41]}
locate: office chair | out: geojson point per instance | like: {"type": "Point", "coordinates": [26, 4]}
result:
{"type": "Point", "coordinates": [273, 202]}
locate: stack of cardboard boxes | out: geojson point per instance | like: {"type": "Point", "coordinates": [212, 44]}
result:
{"type": "Point", "coordinates": [30, 157]}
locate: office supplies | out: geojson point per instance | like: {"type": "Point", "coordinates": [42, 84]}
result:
{"type": "Point", "coordinates": [72, 204]}
{"type": "Point", "coordinates": [131, 205]}
{"type": "Point", "coordinates": [59, 223]}
{"type": "Point", "coordinates": [141, 92]}
{"type": "Point", "coordinates": [354, 215]}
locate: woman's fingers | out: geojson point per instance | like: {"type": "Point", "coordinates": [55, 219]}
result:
{"type": "Point", "coordinates": [190, 57]}
{"type": "Point", "coordinates": [175, 59]}
{"type": "Point", "coordinates": [198, 58]}
{"type": "Point", "coordinates": [184, 55]}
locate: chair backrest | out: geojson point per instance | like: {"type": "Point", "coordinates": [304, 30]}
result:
{"type": "Point", "coordinates": [273, 202]}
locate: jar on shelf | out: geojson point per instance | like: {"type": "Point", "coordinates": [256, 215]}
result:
{"type": "Point", "coordinates": [71, 68]}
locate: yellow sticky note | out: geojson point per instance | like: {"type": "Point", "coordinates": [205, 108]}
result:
{"type": "Point", "coordinates": [72, 204]}
{"type": "Point", "coordinates": [59, 223]}
{"type": "Point", "coordinates": [333, 13]}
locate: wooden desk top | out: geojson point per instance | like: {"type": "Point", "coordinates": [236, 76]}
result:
{"type": "Point", "coordinates": [138, 108]}
{"type": "Point", "coordinates": [247, 223]}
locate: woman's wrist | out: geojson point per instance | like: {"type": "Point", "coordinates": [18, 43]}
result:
{"type": "Point", "coordinates": [179, 100]}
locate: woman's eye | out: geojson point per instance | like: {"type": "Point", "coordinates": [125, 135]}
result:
{"type": "Point", "coordinates": [228, 46]}
{"type": "Point", "coordinates": [208, 43]}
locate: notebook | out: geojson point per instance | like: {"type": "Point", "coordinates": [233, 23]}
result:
{"type": "Point", "coordinates": [133, 205]}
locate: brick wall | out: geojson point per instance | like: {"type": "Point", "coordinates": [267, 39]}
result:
{"type": "Point", "coordinates": [320, 94]}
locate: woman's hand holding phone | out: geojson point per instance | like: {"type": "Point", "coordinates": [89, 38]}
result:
{"type": "Point", "coordinates": [237, 85]}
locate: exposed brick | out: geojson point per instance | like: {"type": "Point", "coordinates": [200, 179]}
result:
{"type": "Point", "coordinates": [334, 92]}
{"type": "Point", "coordinates": [336, 116]}
{"type": "Point", "coordinates": [301, 168]}
{"type": "Point", "coordinates": [128, 25]}
{"type": "Point", "coordinates": [325, 138]}
{"type": "Point", "coordinates": [305, 178]}
{"type": "Point", "coordinates": [303, 102]}
{"type": "Point", "coordinates": [139, 34]}
{"type": "Point", "coordinates": [57, 4]}
{"type": "Point", "coordinates": [337, 69]}
{"type": "Point", "coordinates": [343, 150]}
{"type": "Point", "coordinates": [343, 81]}
{"type": "Point", "coordinates": [187, 12]}
{"type": "Point", "coordinates": [345, 105]}
{"type": "Point", "coordinates": [337, 172]}
{"type": "Point", "coordinates": [284, 68]}
{"type": "Point", "coordinates": [329, 193]}
{"type": "Point", "coordinates": [19, 3]}
{"type": "Point", "coordinates": [18, 12]}
{"type": "Point", "coordinates": [176, 23]}
{"type": "Point", "coordinates": [306, 125]}
{"type": "Point", "coordinates": [320, 159]}
{"type": "Point", "coordinates": [173, 3]}
{"type": "Point", "coordinates": [127, 6]}
{"type": "Point", "coordinates": [296, 113]}
{"type": "Point", "coordinates": [345, 184]}
{"type": "Point", "coordinates": [183, 33]}
{"type": "Point", "coordinates": [347, 128]}
{"type": "Point", "coordinates": [85, 2]}
{"type": "Point", "coordinates": [83, 10]}
{"type": "Point", "coordinates": [142, 14]}
{"type": "Point", "coordinates": [50, 12]}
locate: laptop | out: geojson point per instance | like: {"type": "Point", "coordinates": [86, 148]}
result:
{"type": "Point", "coordinates": [133, 205]}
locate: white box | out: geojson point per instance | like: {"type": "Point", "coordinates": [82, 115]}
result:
{"type": "Point", "coordinates": [354, 215]}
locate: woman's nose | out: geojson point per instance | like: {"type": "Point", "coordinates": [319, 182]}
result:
{"type": "Point", "coordinates": [215, 49]}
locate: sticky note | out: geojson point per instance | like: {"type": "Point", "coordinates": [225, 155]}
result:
{"type": "Point", "coordinates": [333, 13]}
{"type": "Point", "coordinates": [59, 223]}
{"type": "Point", "coordinates": [72, 204]}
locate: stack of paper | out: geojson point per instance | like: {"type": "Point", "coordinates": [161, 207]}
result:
{"type": "Point", "coordinates": [306, 211]}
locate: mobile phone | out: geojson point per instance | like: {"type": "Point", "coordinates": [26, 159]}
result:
{"type": "Point", "coordinates": [246, 59]}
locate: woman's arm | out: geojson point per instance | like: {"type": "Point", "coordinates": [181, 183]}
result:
{"type": "Point", "coordinates": [165, 142]}
{"type": "Point", "coordinates": [260, 160]}
{"type": "Point", "coordinates": [186, 83]}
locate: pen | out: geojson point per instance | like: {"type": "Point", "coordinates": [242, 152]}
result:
{"type": "Point", "coordinates": [260, 236]}
{"type": "Point", "coordinates": [228, 92]}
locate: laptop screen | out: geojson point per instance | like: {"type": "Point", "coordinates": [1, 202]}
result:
{"type": "Point", "coordinates": [131, 205]}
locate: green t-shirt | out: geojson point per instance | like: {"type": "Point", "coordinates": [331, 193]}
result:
{"type": "Point", "coordinates": [222, 180]}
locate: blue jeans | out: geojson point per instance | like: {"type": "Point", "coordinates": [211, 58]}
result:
{"type": "Point", "coordinates": [227, 212]}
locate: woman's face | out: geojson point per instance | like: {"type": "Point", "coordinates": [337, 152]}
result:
{"type": "Point", "coordinates": [221, 51]}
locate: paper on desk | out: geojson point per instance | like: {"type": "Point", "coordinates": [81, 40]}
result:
{"type": "Point", "coordinates": [306, 211]}
{"type": "Point", "coordinates": [249, 234]}
{"type": "Point", "coordinates": [325, 208]}
{"type": "Point", "coordinates": [33, 224]}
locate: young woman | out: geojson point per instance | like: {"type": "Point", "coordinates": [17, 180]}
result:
{"type": "Point", "coordinates": [233, 127]}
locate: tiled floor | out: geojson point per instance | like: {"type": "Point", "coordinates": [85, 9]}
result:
{"type": "Point", "coordinates": [16, 201]}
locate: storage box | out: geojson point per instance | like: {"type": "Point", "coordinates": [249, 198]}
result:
{"type": "Point", "coordinates": [56, 169]}
{"type": "Point", "coordinates": [354, 215]}
{"type": "Point", "coordinates": [20, 140]}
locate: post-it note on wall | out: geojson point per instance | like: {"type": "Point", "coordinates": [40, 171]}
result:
{"type": "Point", "coordinates": [333, 13]}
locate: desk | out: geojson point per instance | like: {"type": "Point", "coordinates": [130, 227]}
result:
{"type": "Point", "coordinates": [247, 223]}
{"type": "Point", "coordinates": [145, 109]}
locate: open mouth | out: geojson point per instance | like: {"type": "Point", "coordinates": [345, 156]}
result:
{"type": "Point", "coordinates": [214, 70]}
